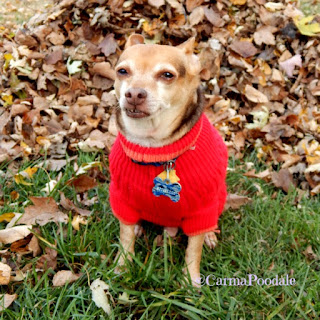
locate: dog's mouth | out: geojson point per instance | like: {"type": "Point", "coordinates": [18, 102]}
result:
{"type": "Point", "coordinates": [135, 113]}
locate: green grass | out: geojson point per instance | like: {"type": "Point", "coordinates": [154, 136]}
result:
{"type": "Point", "coordinates": [272, 230]}
{"type": "Point", "coordinates": [309, 7]}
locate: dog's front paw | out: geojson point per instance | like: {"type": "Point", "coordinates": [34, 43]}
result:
{"type": "Point", "coordinates": [121, 262]}
{"type": "Point", "coordinates": [194, 277]}
{"type": "Point", "coordinates": [211, 239]}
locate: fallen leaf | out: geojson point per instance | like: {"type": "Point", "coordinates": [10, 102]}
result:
{"type": "Point", "coordinates": [289, 64]}
{"type": "Point", "coordinates": [99, 295]}
{"type": "Point", "coordinates": [69, 205]}
{"type": "Point", "coordinates": [255, 95]}
{"type": "Point", "coordinates": [238, 2]}
{"type": "Point", "coordinates": [14, 234]}
{"type": "Point", "coordinates": [265, 175]}
{"type": "Point", "coordinates": [33, 246]}
{"type": "Point", "coordinates": [7, 217]}
{"type": "Point", "coordinates": [20, 246]}
{"type": "Point", "coordinates": [283, 179]}
{"type": "Point", "coordinates": [156, 3]}
{"type": "Point", "coordinates": [49, 186]}
{"type": "Point", "coordinates": [77, 220]}
{"type": "Point", "coordinates": [305, 27]}
{"type": "Point", "coordinates": [244, 48]}
{"type": "Point", "coordinates": [64, 276]}
{"type": "Point", "coordinates": [260, 119]}
{"type": "Point", "coordinates": [265, 35]}
{"type": "Point", "coordinates": [48, 260]}
{"type": "Point", "coordinates": [196, 16]}
{"type": "Point", "coordinates": [108, 45]}
{"type": "Point", "coordinates": [5, 273]}
{"type": "Point", "coordinates": [6, 300]}
{"type": "Point", "coordinates": [82, 183]}
{"type": "Point", "coordinates": [43, 211]}
{"type": "Point", "coordinates": [73, 66]}
{"type": "Point", "coordinates": [310, 254]}
{"type": "Point", "coordinates": [235, 201]}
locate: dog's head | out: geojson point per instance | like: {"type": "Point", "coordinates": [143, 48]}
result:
{"type": "Point", "coordinates": [155, 82]}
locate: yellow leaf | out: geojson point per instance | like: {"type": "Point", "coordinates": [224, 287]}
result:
{"type": "Point", "coordinates": [7, 216]}
{"type": "Point", "coordinates": [238, 2]}
{"type": "Point", "coordinates": [19, 179]}
{"type": "Point", "coordinates": [43, 141]}
{"type": "Point", "coordinates": [26, 149]}
{"type": "Point", "coordinates": [7, 57]}
{"type": "Point", "coordinates": [305, 27]}
{"type": "Point", "coordinates": [31, 171]}
{"type": "Point", "coordinates": [8, 99]}
{"type": "Point", "coordinates": [77, 220]}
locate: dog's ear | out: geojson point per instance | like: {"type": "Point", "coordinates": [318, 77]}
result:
{"type": "Point", "coordinates": [187, 46]}
{"type": "Point", "coordinates": [134, 39]}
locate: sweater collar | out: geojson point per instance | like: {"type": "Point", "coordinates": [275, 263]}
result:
{"type": "Point", "coordinates": [164, 153]}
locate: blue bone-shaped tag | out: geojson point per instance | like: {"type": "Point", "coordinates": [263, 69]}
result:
{"type": "Point", "coordinates": [166, 188]}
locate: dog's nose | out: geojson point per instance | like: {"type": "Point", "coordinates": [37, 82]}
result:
{"type": "Point", "coordinates": [136, 96]}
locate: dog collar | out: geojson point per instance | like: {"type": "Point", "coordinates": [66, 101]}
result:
{"type": "Point", "coordinates": [160, 155]}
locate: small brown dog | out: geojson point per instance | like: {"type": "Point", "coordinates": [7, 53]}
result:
{"type": "Point", "coordinates": [168, 164]}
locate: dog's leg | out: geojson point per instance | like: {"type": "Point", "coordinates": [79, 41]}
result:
{"type": "Point", "coordinates": [193, 257]}
{"type": "Point", "coordinates": [127, 240]}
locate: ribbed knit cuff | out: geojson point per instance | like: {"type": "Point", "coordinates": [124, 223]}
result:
{"type": "Point", "coordinates": [165, 153]}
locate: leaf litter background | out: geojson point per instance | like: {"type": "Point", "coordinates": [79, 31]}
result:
{"type": "Point", "coordinates": [260, 76]}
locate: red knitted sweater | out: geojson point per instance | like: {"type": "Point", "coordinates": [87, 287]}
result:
{"type": "Point", "coordinates": [201, 166]}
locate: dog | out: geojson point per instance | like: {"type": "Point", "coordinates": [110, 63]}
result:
{"type": "Point", "coordinates": [168, 163]}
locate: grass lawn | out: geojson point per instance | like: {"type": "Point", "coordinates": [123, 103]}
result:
{"type": "Point", "coordinates": [266, 238]}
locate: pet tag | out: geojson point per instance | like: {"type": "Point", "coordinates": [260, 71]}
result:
{"type": "Point", "coordinates": [166, 183]}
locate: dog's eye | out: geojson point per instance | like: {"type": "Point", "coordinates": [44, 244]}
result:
{"type": "Point", "coordinates": [122, 71]}
{"type": "Point", "coordinates": [167, 75]}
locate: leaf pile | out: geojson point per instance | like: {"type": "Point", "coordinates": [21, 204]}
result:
{"type": "Point", "coordinates": [260, 73]}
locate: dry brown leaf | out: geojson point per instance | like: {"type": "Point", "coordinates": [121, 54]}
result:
{"type": "Point", "coordinates": [34, 247]}
{"type": "Point", "coordinates": [43, 211]}
{"type": "Point", "coordinates": [310, 254]}
{"type": "Point", "coordinates": [156, 3]}
{"type": "Point", "coordinates": [5, 274]}
{"type": "Point", "coordinates": [48, 260]}
{"type": "Point", "coordinates": [69, 205]}
{"type": "Point", "coordinates": [14, 234]}
{"type": "Point", "coordinates": [283, 179]}
{"type": "Point", "coordinates": [87, 100]}
{"type": "Point", "coordinates": [289, 65]}
{"type": "Point", "coordinates": [193, 4]}
{"type": "Point", "coordinates": [64, 276]}
{"type": "Point", "coordinates": [235, 201]}
{"type": "Point", "coordinates": [265, 35]}
{"type": "Point", "coordinates": [255, 95]}
{"type": "Point", "coordinates": [196, 16]}
{"type": "Point", "coordinates": [244, 48]}
{"type": "Point", "coordinates": [6, 300]}
{"type": "Point", "coordinates": [83, 183]}
{"type": "Point", "coordinates": [20, 246]}
{"type": "Point", "coordinates": [266, 174]}
{"type": "Point", "coordinates": [108, 45]}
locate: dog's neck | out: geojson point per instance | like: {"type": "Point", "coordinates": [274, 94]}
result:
{"type": "Point", "coordinates": [163, 129]}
